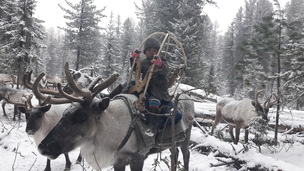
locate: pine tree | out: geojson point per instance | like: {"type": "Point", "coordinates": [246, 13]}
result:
{"type": "Point", "coordinates": [83, 31]}
{"type": "Point", "coordinates": [21, 34]}
{"type": "Point", "coordinates": [111, 60]}
{"type": "Point", "coordinates": [51, 59]}
{"type": "Point", "coordinates": [127, 46]}
{"type": "Point", "coordinates": [292, 64]}
{"type": "Point", "coordinates": [186, 29]}
{"type": "Point", "coordinates": [229, 60]}
{"type": "Point", "coordinates": [260, 49]}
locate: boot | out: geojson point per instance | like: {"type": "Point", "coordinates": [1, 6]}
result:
{"type": "Point", "coordinates": [116, 91]}
{"type": "Point", "coordinates": [152, 122]}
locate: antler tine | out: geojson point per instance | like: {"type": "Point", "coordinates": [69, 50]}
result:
{"type": "Point", "coordinates": [257, 95]}
{"type": "Point", "coordinates": [271, 103]}
{"type": "Point", "coordinates": [46, 101]}
{"type": "Point", "coordinates": [93, 83]}
{"type": "Point", "coordinates": [29, 101]}
{"type": "Point", "coordinates": [105, 84]}
{"type": "Point", "coordinates": [71, 82]}
{"type": "Point", "coordinates": [26, 82]}
{"type": "Point", "coordinates": [74, 98]}
{"type": "Point", "coordinates": [45, 98]}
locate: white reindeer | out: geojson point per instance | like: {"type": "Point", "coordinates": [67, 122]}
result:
{"type": "Point", "coordinates": [39, 122]}
{"type": "Point", "coordinates": [239, 113]}
{"type": "Point", "coordinates": [101, 128]}
{"type": "Point", "coordinates": [6, 79]}
{"type": "Point", "coordinates": [15, 96]}
{"type": "Point", "coordinates": [52, 81]}
{"type": "Point", "coordinates": [41, 119]}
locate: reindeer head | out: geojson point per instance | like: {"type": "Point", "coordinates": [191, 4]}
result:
{"type": "Point", "coordinates": [33, 117]}
{"type": "Point", "coordinates": [79, 119]}
{"type": "Point", "coordinates": [263, 110]}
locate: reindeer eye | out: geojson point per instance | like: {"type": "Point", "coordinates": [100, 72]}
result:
{"type": "Point", "coordinates": [79, 118]}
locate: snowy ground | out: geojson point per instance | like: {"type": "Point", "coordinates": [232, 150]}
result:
{"type": "Point", "coordinates": [18, 151]}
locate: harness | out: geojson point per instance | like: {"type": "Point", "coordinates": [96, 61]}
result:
{"type": "Point", "coordinates": [134, 115]}
{"type": "Point", "coordinates": [162, 139]}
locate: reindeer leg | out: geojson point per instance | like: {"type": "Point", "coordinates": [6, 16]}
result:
{"type": "Point", "coordinates": [218, 118]}
{"type": "Point", "coordinates": [3, 107]}
{"type": "Point", "coordinates": [120, 168]}
{"type": "Point", "coordinates": [48, 165]}
{"type": "Point", "coordinates": [67, 162]}
{"type": "Point", "coordinates": [137, 163]}
{"type": "Point", "coordinates": [185, 149]}
{"type": "Point", "coordinates": [16, 112]}
{"type": "Point", "coordinates": [237, 133]}
{"type": "Point", "coordinates": [79, 159]}
{"type": "Point", "coordinates": [231, 133]}
{"type": "Point", "coordinates": [174, 157]}
{"type": "Point", "coordinates": [246, 135]}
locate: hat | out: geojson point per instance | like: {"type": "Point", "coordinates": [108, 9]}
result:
{"type": "Point", "coordinates": [151, 43]}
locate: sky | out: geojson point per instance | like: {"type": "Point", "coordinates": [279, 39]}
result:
{"type": "Point", "coordinates": [18, 151]}
{"type": "Point", "coordinates": [50, 12]}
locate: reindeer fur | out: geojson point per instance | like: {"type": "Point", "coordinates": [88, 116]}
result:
{"type": "Point", "coordinates": [237, 114]}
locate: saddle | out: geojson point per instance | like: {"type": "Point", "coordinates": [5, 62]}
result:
{"type": "Point", "coordinates": [163, 137]}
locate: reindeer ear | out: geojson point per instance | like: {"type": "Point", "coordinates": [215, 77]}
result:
{"type": "Point", "coordinates": [45, 108]}
{"type": "Point", "coordinates": [21, 109]}
{"type": "Point", "coordinates": [102, 104]}
{"type": "Point", "coordinates": [105, 103]}
{"type": "Point", "coordinates": [253, 103]}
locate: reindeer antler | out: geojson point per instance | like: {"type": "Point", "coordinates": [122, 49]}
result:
{"type": "Point", "coordinates": [87, 95]}
{"type": "Point", "coordinates": [44, 98]}
{"type": "Point", "coordinates": [257, 95]}
{"type": "Point", "coordinates": [268, 103]}
{"type": "Point", "coordinates": [80, 94]}
{"type": "Point", "coordinates": [27, 83]}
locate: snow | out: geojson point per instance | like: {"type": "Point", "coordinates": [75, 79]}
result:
{"type": "Point", "coordinates": [18, 151]}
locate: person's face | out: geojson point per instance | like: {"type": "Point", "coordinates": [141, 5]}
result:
{"type": "Point", "coordinates": [151, 52]}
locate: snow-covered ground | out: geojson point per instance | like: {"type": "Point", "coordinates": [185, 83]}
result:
{"type": "Point", "coordinates": [18, 151]}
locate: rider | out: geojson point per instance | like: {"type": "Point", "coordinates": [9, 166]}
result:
{"type": "Point", "coordinates": [157, 91]}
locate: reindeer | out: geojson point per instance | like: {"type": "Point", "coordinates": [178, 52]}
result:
{"type": "Point", "coordinates": [8, 79]}
{"type": "Point", "coordinates": [39, 122]}
{"type": "Point", "coordinates": [99, 127]}
{"type": "Point", "coordinates": [239, 113]}
{"type": "Point", "coordinates": [52, 81]}
{"type": "Point", "coordinates": [15, 96]}
{"type": "Point", "coordinates": [42, 118]}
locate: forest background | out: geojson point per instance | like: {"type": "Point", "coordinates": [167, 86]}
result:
{"type": "Point", "coordinates": [261, 49]}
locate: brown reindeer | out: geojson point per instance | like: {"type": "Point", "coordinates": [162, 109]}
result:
{"type": "Point", "coordinates": [99, 127]}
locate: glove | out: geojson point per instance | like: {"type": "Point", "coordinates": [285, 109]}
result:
{"type": "Point", "coordinates": [157, 61]}
{"type": "Point", "coordinates": [135, 53]}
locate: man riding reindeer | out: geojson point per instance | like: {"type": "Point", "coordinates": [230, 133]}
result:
{"type": "Point", "coordinates": [157, 90]}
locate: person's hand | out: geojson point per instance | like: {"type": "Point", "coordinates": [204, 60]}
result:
{"type": "Point", "coordinates": [135, 53]}
{"type": "Point", "coordinates": [157, 61]}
